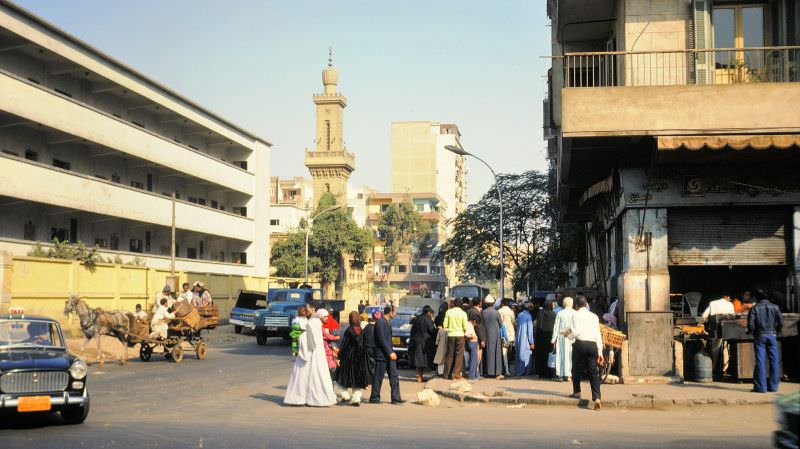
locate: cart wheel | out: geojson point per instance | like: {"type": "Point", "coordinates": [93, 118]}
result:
{"type": "Point", "coordinates": [145, 351]}
{"type": "Point", "coordinates": [201, 350]}
{"type": "Point", "coordinates": [177, 354]}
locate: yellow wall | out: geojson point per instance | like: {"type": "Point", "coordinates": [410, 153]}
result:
{"type": "Point", "coordinates": [42, 286]}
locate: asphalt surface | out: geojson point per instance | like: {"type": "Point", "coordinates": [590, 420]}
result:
{"type": "Point", "coordinates": [233, 400]}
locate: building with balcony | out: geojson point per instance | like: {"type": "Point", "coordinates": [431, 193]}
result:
{"type": "Point", "coordinates": [417, 270]}
{"type": "Point", "coordinates": [93, 151]}
{"type": "Point", "coordinates": [290, 202]}
{"type": "Point", "coordinates": [671, 128]}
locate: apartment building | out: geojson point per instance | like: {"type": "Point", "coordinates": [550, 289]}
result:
{"type": "Point", "coordinates": [93, 151]}
{"type": "Point", "coordinates": [415, 270]}
{"type": "Point", "coordinates": [420, 163]}
{"type": "Point", "coordinates": [290, 202]}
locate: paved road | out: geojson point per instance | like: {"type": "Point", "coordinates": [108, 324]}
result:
{"type": "Point", "coordinates": [232, 400]}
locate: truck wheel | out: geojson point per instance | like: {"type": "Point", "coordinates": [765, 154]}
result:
{"type": "Point", "coordinates": [261, 338]}
{"type": "Point", "coordinates": [201, 351]}
{"type": "Point", "coordinates": [76, 414]}
{"type": "Point", "coordinates": [237, 329]}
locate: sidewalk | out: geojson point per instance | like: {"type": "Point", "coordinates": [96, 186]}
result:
{"type": "Point", "coordinates": [531, 391]}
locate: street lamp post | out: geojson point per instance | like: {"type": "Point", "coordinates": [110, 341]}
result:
{"type": "Point", "coordinates": [309, 223]}
{"type": "Point", "coordinates": [463, 152]}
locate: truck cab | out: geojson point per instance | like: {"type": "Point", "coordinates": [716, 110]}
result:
{"type": "Point", "coordinates": [243, 314]}
{"type": "Point", "coordinates": [276, 319]}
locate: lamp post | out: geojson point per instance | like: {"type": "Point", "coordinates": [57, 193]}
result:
{"type": "Point", "coordinates": [309, 223]}
{"type": "Point", "coordinates": [462, 152]}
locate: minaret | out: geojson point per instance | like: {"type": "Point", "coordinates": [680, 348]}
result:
{"type": "Point", "coordinates": [330, 163]}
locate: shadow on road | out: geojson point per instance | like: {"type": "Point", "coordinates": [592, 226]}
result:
{"type": "Point", "coordinates": [29, 421]}
{"type": "Point", "coordinates": [269, 398]}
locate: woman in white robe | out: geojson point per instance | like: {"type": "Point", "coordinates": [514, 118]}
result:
{"type": "Point", "coordinates": [320, 385]}
{"type": "Point", "coordinates": [297, 388]}
{"type": "Point", "coordinates": [563, 345]}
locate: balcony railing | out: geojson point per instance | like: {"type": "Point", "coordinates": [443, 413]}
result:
{"type": "Point", "coordinates": [682, 67]}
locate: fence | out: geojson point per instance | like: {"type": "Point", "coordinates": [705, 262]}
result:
{"type": "Point", "coordinates": [681, 67]}
{"type": "Point", "coordinates": [42, 286]}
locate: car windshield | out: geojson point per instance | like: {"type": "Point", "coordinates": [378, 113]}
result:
{"type": "Point", "coordinates": [400, 320]}
{"type": "Point", "coordinates": [29, 333]}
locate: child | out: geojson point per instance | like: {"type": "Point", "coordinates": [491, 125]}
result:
{"type": "Point", "coordinates": [298, 327]}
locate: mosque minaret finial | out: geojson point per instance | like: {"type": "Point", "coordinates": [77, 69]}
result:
{"type": "Point", "coordinates": [330, 56]}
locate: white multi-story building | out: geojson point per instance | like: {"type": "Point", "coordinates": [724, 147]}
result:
{"type": "Point", "coordinates": [92, 151]}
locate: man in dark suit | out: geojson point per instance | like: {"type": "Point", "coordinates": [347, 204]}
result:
{"type": "Point", "coordinates": [385, 358]}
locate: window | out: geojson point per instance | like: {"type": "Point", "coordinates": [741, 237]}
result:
{"type": "Point", "coordinates": [738, 26]}
{"type": "Point", "coordinates": [384, 269]}
{"type": "Point", "coordinates": [101, 243]}
{"type": "Point", "coordinates": [420, 207]}
{"type": "Point", "coordinates": [61, 164]}
{"type": "Point", "coordinates": [422, 269]}
{"type": "Point", "coordinates": [360, 196]}
{"type": "Point", "coordinates": [402, 268]}
{"type": "Point", "coordinates": [274, 222]}
{"type": "Point", "coordinates": [192, 199]}
{"type": "Point", "coordinates": [149, 182]}
{"type": "Point", "coordinates": [384, 207]}
{"type": "Point", "coordinates": [202, 249]}
{"type": "Point", "coordinates": [435, 269]}
{"type": "Point", "coordinates": [29, 231]}
{"type": "Point", "coordinates": [215, 204]}
{"type": "Point", "coordinates": [137, 185]}
{"type": "Point", "coordinates": [115, 178]}
{"type": "Point", "coordinates": [147, 241]}
{"type": "Point", "coordinates": [136, 245]}
{"type": "Point", "coordinates": [201, 201]}
{"type": "Point", "coordinates": [327, 188]}
{"type": "Point", "coordinates": [191, 253]}
{"type": "Point", "coordinates": [113, 242]}
{"type": "Point", "coordinates": [240, 211]}
{"type": "Point", "coordinates": [221, 256]}
{"type": "Point", "coordinates": [240, 258]}
{"type": "Point", "coordinates": [31, 155]}
{"type": "Point", "coordinates": [241, 164]}
{"type": "Point", "coordinates": [60, 234]}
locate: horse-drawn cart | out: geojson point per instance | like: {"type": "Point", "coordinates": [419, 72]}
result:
{"type": "Point", "coordinates": [183, 335]}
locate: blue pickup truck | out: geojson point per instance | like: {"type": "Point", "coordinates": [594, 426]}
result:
{"type": "Point", "coordinates": [276, 319]}
{"type": "Point", "coordinates": [243, 314]}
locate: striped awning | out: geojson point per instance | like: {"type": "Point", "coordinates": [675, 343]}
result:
{"type": "Point", "coordinates": [736, 142]}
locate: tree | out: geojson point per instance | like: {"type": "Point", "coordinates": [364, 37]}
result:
{"type": "Point", "coordinates": [402, 227]}
{"type": "Point", "coordinates": [334, 235]}
{"type": "Point", "coordinates": [530, 228]}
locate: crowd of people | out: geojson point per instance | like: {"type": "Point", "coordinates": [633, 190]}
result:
{"type": "Point", "coordinates": [467, 338]}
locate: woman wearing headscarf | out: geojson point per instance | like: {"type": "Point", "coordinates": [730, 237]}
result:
{"type": "Point", "coordinates": [423, 338]}
{"type": "Point", "coordinates": [331, 351]}
{"type": "Point", "coordinates": [525, 343]}
{"type": "Point", "coordinates": [545, 321]}
{"type": "Point", "coordinates": [562, 344]}
{"type": "Point", "coordinates": [352, 372]}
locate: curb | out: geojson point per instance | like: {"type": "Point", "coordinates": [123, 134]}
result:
{"type": "Point", "coordinates": [632, 403]}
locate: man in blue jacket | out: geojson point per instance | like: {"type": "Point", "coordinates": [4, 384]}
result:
{"type": "Point", "coordinates": [765, 322]}
{"type": "Point", "coordinates": [385, 358]}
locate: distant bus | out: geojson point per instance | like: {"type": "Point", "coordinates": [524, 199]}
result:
{"type": "Point", "coordinates": [470, 291]}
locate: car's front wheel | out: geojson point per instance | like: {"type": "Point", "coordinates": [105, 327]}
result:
{"type": "Point", "coordinates": [261, 338]}
{"type": "Point", "coordinates": [76, 414]}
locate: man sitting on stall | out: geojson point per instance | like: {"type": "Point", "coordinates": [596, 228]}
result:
{"type": "Point", "coordinates": [160, 323]}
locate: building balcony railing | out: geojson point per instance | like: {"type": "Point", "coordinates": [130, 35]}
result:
{"type": "Point", "coordinates": [682, 67]}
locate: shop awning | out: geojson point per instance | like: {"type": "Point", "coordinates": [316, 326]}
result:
{"type": "Point", "coordinates": [598, 188]}
{"type": "Point", "coordinates": [736, 142]}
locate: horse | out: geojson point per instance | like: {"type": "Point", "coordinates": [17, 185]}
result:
{"type": "Point", "coordinates": [96, 323]}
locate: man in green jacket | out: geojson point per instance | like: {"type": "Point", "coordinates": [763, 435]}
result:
{"type": "Point", "coordinates": [455, 323]}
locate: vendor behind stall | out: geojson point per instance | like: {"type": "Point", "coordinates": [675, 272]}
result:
{"type": "Point", "coordinates": [719, 354]}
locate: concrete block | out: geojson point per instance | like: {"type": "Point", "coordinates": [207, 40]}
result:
{"type": "Point", "coordinates": [462, 386]}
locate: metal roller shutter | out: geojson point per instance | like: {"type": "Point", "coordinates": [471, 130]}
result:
{"type": "Point", "coordinates": [726, 237]}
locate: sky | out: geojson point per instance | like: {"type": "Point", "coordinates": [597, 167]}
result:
{"type": "Point", "coordinates": [477, 64]}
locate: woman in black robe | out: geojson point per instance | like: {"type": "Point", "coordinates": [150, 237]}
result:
{"type": "Point", "coordinates": [352, 374]}
{"type": "Point", "coordinates": [423, 342]}
{"type": "Point", "coordinates": [543, 333]}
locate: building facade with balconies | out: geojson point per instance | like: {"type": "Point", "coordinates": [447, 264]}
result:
{"type": "Point", "coordinates": [674, 138]}
{"type": "Point", "coordinates": [92, 151]}
{"type": "Point", "coordinates": [418, 270]}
